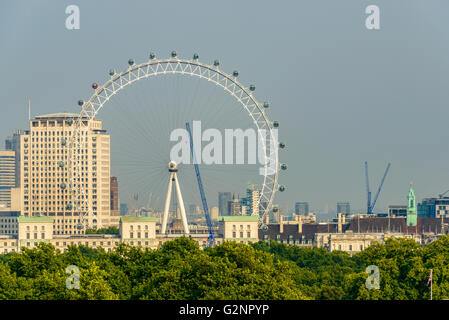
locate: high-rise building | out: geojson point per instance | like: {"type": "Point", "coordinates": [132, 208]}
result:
{"type": "Point", "coordinates": [223, 199]}
{"type": "Point", "coordinates": [234, 207]}
{"type": "Point", "coordinates": [115, 210]}
{"type": "Point", "coordinates": [123, 209]}
{"type": "Point", "coordinates": [302, 208]}
{"type": "Point", "coordinates": [114, 194]}
{"type": "Point", "coordinates": [343, 207]}
{"type": "Point", "coordinates": [13, 143]}
{"type": "Point", "coordinates": [214, 213]}
{"type": "Point", "coordinates": [434, 208]}
{"type": "Point", "coordinates": [45, 176]}
{"type": "Point", "coordinates": [7, 177]}
{"type": "Point", "coordinates": [252, 200]}
{"type": "Point", "coordinates": [411, 209]}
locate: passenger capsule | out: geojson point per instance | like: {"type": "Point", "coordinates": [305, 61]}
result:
{"type": "Point", "coordinates": [79, 226]}
{"type": "Point", "coordinates": [152, 56]}
{"type": "Point", "coordinates": [69, 206]}
{"type": "Point", "coordinates": [94, 86]}
{"type": "Point", "coordinates": [275, 209]}
{"type": "Point", "coordinates": [275, 124]}
{"type": "Point", "coordinates": [173, 54]}
{"type": "Point", "coordinates": [216, 63]}
{"type": "Point", "coordinates": [283, 166]}
{"type": "Point", "coordinates": [69, 121]}
{"type": "Point", "coordinates": [266, 104]}
{"type": "Point", "coordinates": [252, 87]}
{"type": "Point", "coordinates": [80, 102]}
{"type": "Point", "coordinates": [235, 73]}
{"type": "Point", "coordinates": [281, 188]}
{"type": "Point", "coordinates": [195, 56]}
{"type": "Point", "coordinates": [63, 142]}
{"type": "Point", "coordinates": [264, 227]}
{"type": "Point", "coordinates": [131, 62]}
{"type": "Point", "coordinates": [111, 72]}
{"type": "Point", "coordinates": [63, 185]}
{"type": "Point", "coordinates": [281, 145]}
{"type": "Point", "coordinates": [61, 164]}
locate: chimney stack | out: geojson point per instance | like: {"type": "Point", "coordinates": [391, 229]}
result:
{"type": "Point", "coordinates": [281, 223]}
{"type": "Point", "coordinates": [299, 224]}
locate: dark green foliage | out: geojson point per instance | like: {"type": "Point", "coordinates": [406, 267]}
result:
{"type": "Point", "coordinates": [181, 270]}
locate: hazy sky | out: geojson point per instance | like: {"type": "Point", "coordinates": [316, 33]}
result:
{"type": "Point", "coordinates": [342, 93]}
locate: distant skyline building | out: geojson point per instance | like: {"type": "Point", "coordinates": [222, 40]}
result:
{"type": "Point", "coordinates": [252, 200]}
{"type": "Point", "coordinates": [13, 143]}
{"type": "Point", "coordinates": [434, 208]}
{"type": "Point", "coordinates": [302, 208]}
{"type": "Point", "coordinates": [192, 209]}
{"type": "Point", "coordinates": [194, 212]}
{"type": "Point", "coordinates": [235, 207]}
{"type": "Point", "coordinates": [123, 209]}
{"type": "Point", "coordinates": [214, 213]}
{"type": "Point", "coordinates": [7, 177]}
{"type": "Point", "coordinates": [223, 199]}
{"type": "Point", "coordinates": [343, 208]}
{"type": "Point", "coordinates": [397, 210]}
{"type": "Point", "coordinates": [115, 210]}
{"type": "Point", "coordinates": [411, 209]}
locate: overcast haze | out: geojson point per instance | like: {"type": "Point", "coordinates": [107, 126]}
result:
{"type": "Point", "coordinates": [342, 94]}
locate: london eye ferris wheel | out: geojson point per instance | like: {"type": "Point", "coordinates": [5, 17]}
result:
{"type": "Point", "coordinates": [142, 105]}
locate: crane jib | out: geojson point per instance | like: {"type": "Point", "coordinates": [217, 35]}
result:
{"type": "Point", "coordinates": [211, 238]}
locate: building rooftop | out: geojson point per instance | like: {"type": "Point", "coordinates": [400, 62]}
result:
{"type": "Point", "coordinates": [138, 219]}
{"type": "Point", "coordinates": [86, 236]}
{"type": "Point", "coordinates": [34, 219]}
{"type": "Point", "coordinates": [292, 231]}
{"type": "Point", "coordinates": [59, 115]}
{"type": "Point", "coordinates": [238, 218]}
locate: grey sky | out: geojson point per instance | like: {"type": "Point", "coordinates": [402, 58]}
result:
{"type": "Point", "coordinates": [342, 94]}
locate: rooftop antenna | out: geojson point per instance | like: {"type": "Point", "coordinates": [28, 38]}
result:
{"type": "Point", "coordinates": [29, 110]}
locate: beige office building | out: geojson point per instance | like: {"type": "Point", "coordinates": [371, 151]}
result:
{"type": "Point", "coordinates": [242, 229]}
{"type": "Point", "coordinates": [7, 177]}
{"type": "Point", "coordinates": [46, 188]}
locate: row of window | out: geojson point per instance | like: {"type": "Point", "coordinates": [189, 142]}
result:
{"type": "Point", "coordinates": [94, 243]}
{"type": "Point", "coordinates": [241, 227]}
{"type": "Point", "coordinates": [248, 234]}
{"type": "Point", "coordinates": [9, 231]}
{"type": "Point", "coordinates": [350, 247]}
{"type": "Point", "coordinates": [131, 227]}
{"type": "Point", "coordinates": [44, 133]}
{"type": "Point", "coordinates": [35, 228]}
{"type": "Point", "coordinates": [49, 197]}
{"type": "Point", "coordinates": [54, 209]}
{"type": "Point", "coordinates": [57, 157]}
{"type": "Point", "coordinates": [131, 235]}
{"type": "Point", "coordinates": [54, 133]}
{"type": "Point", "coordinates": [35, 235]}
{"type": "Point", "coordinates": [8, 226]}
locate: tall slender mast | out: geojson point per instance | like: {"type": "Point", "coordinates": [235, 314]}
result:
{"type": "Point", "coordinates": [29, 110]}
{"type": "Point", "coordinates": [431, 281]}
